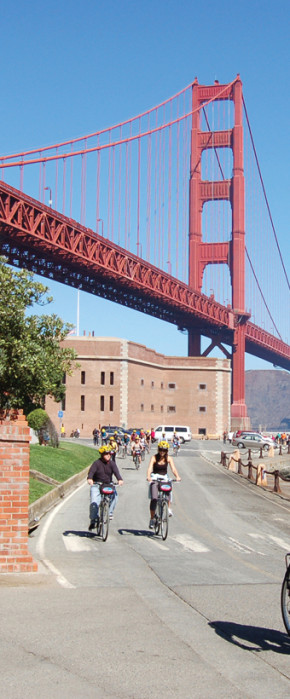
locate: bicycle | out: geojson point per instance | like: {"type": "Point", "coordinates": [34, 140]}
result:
{"type": "Point", "coordinates": [161, 514]}
{"type": "Point", "coordinates": [137, 459]}
{"type": "Point", "coordinates": [285, 595]}
{"type": "Point", "coordinates": [123, 450]}
{"type": "Point", "coordinates": [176, 448]}
{"type": "Point", "coordinates": [106, 491]}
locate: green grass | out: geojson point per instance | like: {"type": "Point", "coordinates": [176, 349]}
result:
{"type": "Point", "coordinates": [37, 489]}
{"type": "Point", "coordinates": [60, 464]}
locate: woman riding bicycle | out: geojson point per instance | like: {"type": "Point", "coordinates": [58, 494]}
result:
{"type": "Point", "coordinates": [137, 450]}
{"type": "Point", "coordinates": [158, 469]}
{"type": "Point", "coordinates": [101, 471]}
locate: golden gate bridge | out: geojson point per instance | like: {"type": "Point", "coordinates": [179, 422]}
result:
{"type": "Point", "coordinates": [166, 213]}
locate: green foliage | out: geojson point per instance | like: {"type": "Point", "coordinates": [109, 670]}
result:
{"type": "Point", "coordinates": [37, 419]}
{"type": "Point", "coordinates": [32, 360]}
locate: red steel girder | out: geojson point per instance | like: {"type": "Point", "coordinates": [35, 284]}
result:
{"type": "Point", "coordinates": [219, 190]}
{"type": "Point", "coordinates": [31, 225]}
{"type": "Point", "coordinates": [214, 139]}
{"type": "Point", "coordinates": [28, 221]}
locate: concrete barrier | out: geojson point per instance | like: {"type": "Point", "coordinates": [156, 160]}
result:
{"type": "Point", "coordinates": [39, 508]}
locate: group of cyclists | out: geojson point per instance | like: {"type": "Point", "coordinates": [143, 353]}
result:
{"type": "Point", "coordinates": [135, 444]}
{"type": "Point", "coordinates": [102, 470]}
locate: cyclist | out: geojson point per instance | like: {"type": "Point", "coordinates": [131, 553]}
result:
{"type": "Point", "coordinates": [118, 439]}
{"type": "Point", "coordinates": [113, 447]}
{"type": "Point", "coordinates": [126, 441]}
{"type": "Point", "coordinates": [158, 468]}
{"type": "Point", "coordinates": [142, 442]}
{"type": "Point", "coordinates": [101, 471]}
{"type": "Point", "coordinates": [133, 437]}
{"type": "Point", "coordinates": [136, 449]}
{"type": "Point", "coordinates": [104, 436]}
{"type": "Point", "coordinates": [148, 438]}
{"type": "Point", "coordinates": [176, 441]}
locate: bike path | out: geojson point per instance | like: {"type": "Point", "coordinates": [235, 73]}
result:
{"type": "Point", "coordinates": [223, 557]}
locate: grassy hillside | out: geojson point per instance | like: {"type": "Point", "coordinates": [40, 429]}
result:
{"type": "Point", "coordinates": [60, 464]}
{"type": "Point", "coordinates": [268, 398]}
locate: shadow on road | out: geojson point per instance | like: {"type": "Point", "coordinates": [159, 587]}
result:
{"type": "Point", "coordinates": [253, 638]}
{"type": "Point", "coordinates": [136, 532]}
{"type": "Point", "coordinates": [81, 534]}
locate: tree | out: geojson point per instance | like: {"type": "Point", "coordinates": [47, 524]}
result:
{"type": "Point", "coordinates": [41, 423]}
{"type": "Point", "coordinates": [32, 360]}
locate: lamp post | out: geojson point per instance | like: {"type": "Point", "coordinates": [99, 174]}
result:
{"type": "Point", "coordinates": [50, 196]}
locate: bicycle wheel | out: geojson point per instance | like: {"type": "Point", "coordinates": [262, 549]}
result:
{"type": "Point", "coordinates": [98, 525]}
{"type": "Point", "coordinates": [285, 600]}
{"type": "Point", "coordinates": [164, 520]}
{"type": "Point", "coordinates": [105, 521]}
{"type": "Point", "coordinates": [157, 519]}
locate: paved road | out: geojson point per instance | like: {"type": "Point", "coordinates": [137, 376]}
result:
{"type": "Point", "coordinates": [195, 616]}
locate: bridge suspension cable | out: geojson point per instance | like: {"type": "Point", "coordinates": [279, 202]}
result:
{"type": "Point", "coordinates": [265, 195]}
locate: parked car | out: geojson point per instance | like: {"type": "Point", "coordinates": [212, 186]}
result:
{"type": "Point", "coordinates": [252, 441]}
{"type": "Point", "coordinates": [168, 430]}
{"type": "Point", "coordinates": [242, 432]}
{"type": "Point", "coordinates": [111, 429]}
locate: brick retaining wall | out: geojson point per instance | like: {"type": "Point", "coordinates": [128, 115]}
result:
{"type": "Point", "coordinates": [14, 494]}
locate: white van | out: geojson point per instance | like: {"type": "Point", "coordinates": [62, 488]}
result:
{"type": "Point", "coordinates": [167, 431]}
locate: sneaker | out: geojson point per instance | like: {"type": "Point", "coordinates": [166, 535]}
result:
{"type": "Point", "coordinates": [111, 516]}
{"type": "Point", "coordinates": [151, 524]}
{"type": "Point", "coordinates": [170, 513]}
{"type": "Point", "coordinates": [92, 525]}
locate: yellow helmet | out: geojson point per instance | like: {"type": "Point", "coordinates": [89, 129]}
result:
{"type": "Point", "coordinates": [105, 449]}
{"type": "Point", "coordinates": [163, 445]}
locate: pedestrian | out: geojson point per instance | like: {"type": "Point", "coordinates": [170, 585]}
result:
{"type": "Point", "coordinates": [96, 436]}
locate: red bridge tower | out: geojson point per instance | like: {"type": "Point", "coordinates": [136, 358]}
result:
{"type": "Point", "coordinates": [232, 252]}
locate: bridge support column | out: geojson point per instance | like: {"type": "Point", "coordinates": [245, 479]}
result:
{"type": "Point", "coordinates": [194, 344]}
{"type": "Point", "coordinates": [239, 415]}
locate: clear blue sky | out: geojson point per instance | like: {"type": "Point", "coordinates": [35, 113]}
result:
{"type": "Point", "coordinates": [71, 68]}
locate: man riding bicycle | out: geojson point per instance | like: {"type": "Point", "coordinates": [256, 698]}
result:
{"type": "Point", "coordinates": [176, 441]}
{"type": "Point", "coordinates": [101, 471]}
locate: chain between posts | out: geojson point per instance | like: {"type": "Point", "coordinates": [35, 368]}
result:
{"type": "Point", "coordinates": [226, 458]}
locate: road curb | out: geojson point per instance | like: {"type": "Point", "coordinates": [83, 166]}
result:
{"type": "Point", "coordinates": [39, 508]}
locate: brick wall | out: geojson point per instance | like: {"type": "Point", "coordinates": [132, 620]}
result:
{"type": "Point", "coordinates": [14, 494]}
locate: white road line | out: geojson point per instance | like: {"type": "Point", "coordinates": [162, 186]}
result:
{"type": "Point", "coordinates": [40, 546]}
{"type": "Point", "coordinates": [190, 544]}
{"type": "Point", "coordinates": [243, 547]}
{"type": "Point", "coordinates": [280, 542]}
{"type": "Point", "coordinates": [75, 544]}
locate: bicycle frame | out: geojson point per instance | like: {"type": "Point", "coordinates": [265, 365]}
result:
{"type": "Point", "coordinates": [161, 514]}
{"type": "Point", "coordinates": [103, 522]}
{"type": "Point", "coordinates": [137, 458]}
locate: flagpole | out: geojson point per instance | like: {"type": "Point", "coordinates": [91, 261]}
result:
{"type": "Point", "coordinates": [78, 313]}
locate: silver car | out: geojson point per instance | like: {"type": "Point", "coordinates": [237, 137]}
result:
{"type": "Point", "coordinates": [252, 441]}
